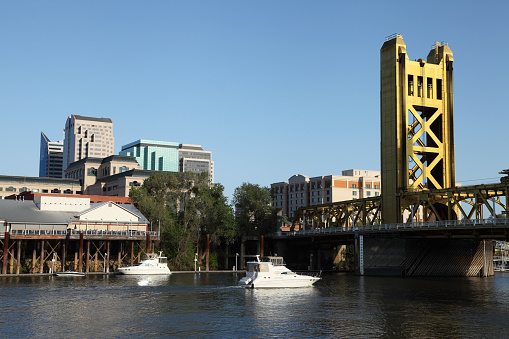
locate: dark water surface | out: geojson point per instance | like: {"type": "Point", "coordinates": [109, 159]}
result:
{"type": "Point", "coordinates": [210, 305]}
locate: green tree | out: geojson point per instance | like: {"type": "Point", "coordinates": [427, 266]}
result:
{"type": "Point", "coordinates": [187, 206]}
{"type": "Point", "coordinates": [253, 210]}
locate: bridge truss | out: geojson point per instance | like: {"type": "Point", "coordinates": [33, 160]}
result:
{"type": "Point", "coordinates": [458, 203]}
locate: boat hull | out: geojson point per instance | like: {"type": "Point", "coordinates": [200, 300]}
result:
{"type": "Point", "coordinates": [278, 282]}
{"type": "Point", "coordinates": [136, 270]}
{"type": "Point", "coordinates": [70, 274]}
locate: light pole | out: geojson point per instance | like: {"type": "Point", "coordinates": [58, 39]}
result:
{"type": "Point", "coordinates": [236, 257]}
{"type": "Point", "coordinates": [105, 255]}
{"type": "Point", "coordinates": [195, 260]}
{"type": "Point", "coordinates": [53, 264]}
{"type": "Point", "coordinates": [494, 199]}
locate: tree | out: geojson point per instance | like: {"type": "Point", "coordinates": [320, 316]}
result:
{"type": "Point", "coordinates": [253, 210]}
{"type": "Point", "coordinates": [186, 206]}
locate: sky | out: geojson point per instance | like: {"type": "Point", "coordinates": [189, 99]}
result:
{"type": "Point", "coordinates": [271, 88]}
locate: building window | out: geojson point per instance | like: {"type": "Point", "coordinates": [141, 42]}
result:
{"type": "Point", "coordinates": [328, 192]}
{"type": "Point", "coordinates": [376, 187]}
{"type": "Point", "coordinates": [354, 192]}
{"type": "Point", "coordinates": [377, 194]}
{"type": "Point", "coordinates": [318, 192]}
{"type": "Point", "coordinates": [368, 193]}
{"type": "Point", "coordinates": [44, 191]}
{"type": "Point", "coordinates": [354, 185]}
{"type": "Point", "coordinates": [10, 189]}
{"type": "Point", "coordinates": [313, 194]}
{"type": "Point", "coordinates": [328, 199]}
{"type": "Point", "coordinates": [313, 200]}
{"type": "Point", "coordinates": [368, 186]}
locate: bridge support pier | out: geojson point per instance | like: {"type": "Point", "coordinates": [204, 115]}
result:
{"type": "Point", "coordinates": [424, 257]}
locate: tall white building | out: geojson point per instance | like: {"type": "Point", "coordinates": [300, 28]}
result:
{"type": "Point", "coordinates": [303, 191]}
{"type": "Point", "coordinates": [87, 137]}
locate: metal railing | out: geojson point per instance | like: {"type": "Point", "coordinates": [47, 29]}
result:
{"type": "Point", "coordinates": [426, 225]}
{"type": "Point", "coordinates": [130, 233]}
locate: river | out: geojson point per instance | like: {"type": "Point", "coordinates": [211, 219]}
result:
{"type": "Point", "coordinates": [210, 305]}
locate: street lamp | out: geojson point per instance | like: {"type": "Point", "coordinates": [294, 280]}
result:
{"type": "Point", "coordinates": [236, 257]}
{"type": "Point", "coordinates": [494, 199]}
{"type": "Point", "coordinates": [195, 260]}
{"type": "Point", "coordinates": [106, 270]}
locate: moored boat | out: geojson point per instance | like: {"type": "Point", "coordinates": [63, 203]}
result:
{"type": "Point", "coordinates": [70, 274]}
{"type": "Point", "coordinates": [271, 272]}
{"type": "Point", "coordinates": [152, 263]}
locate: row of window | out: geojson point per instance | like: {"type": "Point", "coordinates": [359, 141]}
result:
{"type": "Point", "coordinates": [429, 87]}
{"type": "Point", "coordinates": [36, 190]}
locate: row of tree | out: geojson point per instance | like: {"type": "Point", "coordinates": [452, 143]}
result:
{"type": "Point", "coordinates": [187, 207]}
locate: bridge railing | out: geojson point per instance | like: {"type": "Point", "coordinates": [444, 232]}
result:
{"type": "Point", "coordinates": [465, 223]}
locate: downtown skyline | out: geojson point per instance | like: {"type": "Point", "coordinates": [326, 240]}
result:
{"type": "Point", "coordinates": [271, 89]}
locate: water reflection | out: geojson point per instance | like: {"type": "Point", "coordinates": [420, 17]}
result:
{"type": "Point", "coordinates": [145, 280]}
{"type": "Point", "coordinates": [211, 305]}
{"type": "Point", "coordinates": [277, 311]}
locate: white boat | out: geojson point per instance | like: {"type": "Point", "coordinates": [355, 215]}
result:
{"type": "Point", "coordinates": [70, 274]}
{"type": "Point", "coordinates": [272, 272]}
{"type": "Point", "coordinates": [152, 263]}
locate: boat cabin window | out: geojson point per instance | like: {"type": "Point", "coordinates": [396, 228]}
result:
{"type": "Point", "coordinates": [163, 260]}
{"type": "Point", "coordinates": [252, 267]}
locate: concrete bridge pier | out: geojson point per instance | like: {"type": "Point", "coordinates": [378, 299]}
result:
{"type": "Point", "coordinates": [424, 257]}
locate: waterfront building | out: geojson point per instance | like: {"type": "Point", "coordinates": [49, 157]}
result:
{"type": "Point", "coordinates": [303, 191]}
{"type": "Point", "coordinates": [170, 156]}
{"type": "Point", "coordinates": [112, 176]}
{"type": "Point", "coordinates": [51, 156]}
{"type": "Point", "coordinates": [10, 185]}
{"type": "Point", "coordinates": [87, 137]}
{"type": "Point", "coordinates": [60, 213]}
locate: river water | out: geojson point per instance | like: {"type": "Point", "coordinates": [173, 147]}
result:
{"type": "Point", "coordinates": [210, 305]}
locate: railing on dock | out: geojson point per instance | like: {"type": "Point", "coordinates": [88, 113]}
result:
{"type": "Point", "coordinates": [37, 232]}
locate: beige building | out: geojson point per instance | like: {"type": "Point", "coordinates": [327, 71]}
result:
{"type": "Point", "coordinates": [87, 137]}
{"type": "Point", "coordinates": [302, 191]}
{"type": "Point", "coordinates": [113, 175]}
{"type": "Point", "coordinates": [10, 185]}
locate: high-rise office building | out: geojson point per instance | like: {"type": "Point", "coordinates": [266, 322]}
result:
{"type": "Point", "coordinates": [192, 158]}
{"type": "Point", "coordinates": [170, 156]}
{"type": "Point", "coordinates": [87, 137]}
{"type": "Point", "coordinates": [154, 155]}
{"type": "Point", "coordinates": [50, 161]}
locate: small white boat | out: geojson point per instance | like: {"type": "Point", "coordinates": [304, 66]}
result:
{"type": "Point", "coordinates": [272, 272]}
{"type": "Point", "coordinates": [70, 274]}
{"type": "Point", "coordinates": [152, 263]}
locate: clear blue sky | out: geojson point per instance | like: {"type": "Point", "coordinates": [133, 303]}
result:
{"type": "Point", "coordinates": [272, 88]}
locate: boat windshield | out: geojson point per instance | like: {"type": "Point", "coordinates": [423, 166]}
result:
{"type": "Point", "coordinates": [276, 261]}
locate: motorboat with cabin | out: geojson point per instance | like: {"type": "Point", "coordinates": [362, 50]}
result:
{"type": "Point", "coordinates": [268, 272]}
{"type": "Point", "coordinates": [152, 263]}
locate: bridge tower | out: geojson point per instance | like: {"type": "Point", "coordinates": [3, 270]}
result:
{"type": "Point", "coordinates": [416, 113]}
